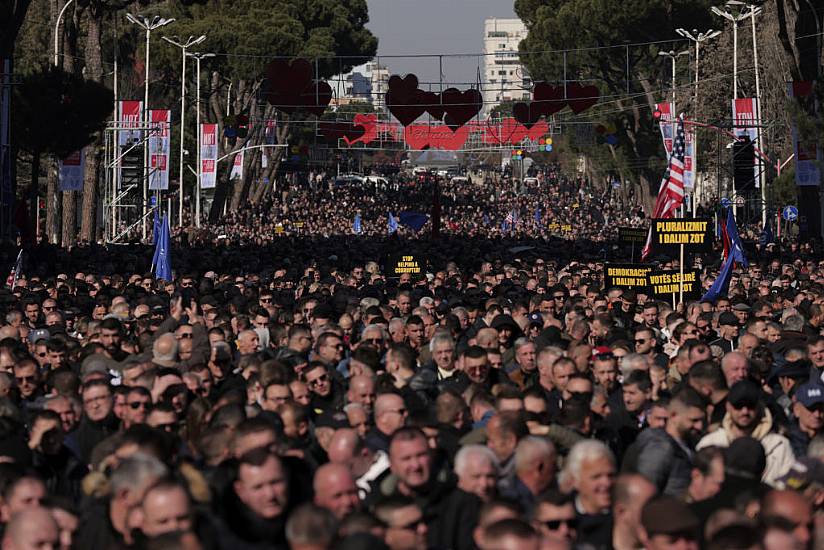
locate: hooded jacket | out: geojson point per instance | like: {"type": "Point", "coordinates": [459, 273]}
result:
{"type": "Point", "coordinates": [779, 452]}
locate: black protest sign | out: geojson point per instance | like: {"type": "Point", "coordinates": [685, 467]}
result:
{"type": "Point", "coordinates": [663, 284]}
{"type": "Point", "coordinates": [399, 264]}
{"type": "Point", "coordinates": [694, 233]}
{"type": "Point", "coordinates": [626, 276]}
{"type": "Point", "coordinates": [632, 235]}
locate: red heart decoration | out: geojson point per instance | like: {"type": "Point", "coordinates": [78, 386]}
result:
{"type": "Point", "coordinates": [403, 99]}
{"type": "Point", "coordinates": [540, 129]}
{"type": "Point", "coordinates": [333, 131]}
{"type": "Point", "coordinates": [507, 132]}
{"type": "Point", "coordinates": [315, 98]}
{"type": "Point", "coordinates": [424, 136]}
{"type": "Point", "coordinates": [526, 114]}
{"type": "Point", "coordinates": [432, 103]}
{"type": "Point", "coordinates": [460, 106]}
{"type": "Point", "coordinates": [580, 98]}
{"type": "Point", "coordinates": [548, 99]}
{"type": "Point", "coordinates": [369, 129]}
{"type": "Point", "coordinates": [285, 81]}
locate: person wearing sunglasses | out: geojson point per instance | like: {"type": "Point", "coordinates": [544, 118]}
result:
{"type": "Point", "coordinates": [555, 516]}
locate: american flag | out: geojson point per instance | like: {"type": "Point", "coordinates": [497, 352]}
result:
{"type": "Point", "coordinates": [11, 280]}
{"type": "Point", "coordinates": [671, 192]}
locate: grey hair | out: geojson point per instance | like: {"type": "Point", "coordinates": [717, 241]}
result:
{"type": "Point", "coordinates": [426, 301]}
{"type": "Point", "coordinates": [631, 362]}
{"type": "Point", "coordinates": [139, 470]}
{"type": "Point", "coordinates": [586, 450]}
{"type": "Point", "coordinates": [440, 337]}
{"type": "Point", "coordinates": [468, 451]}
{"type": "Point", "coordinates": [13, 316]}
{"type": "Point", "coordinates": [521, 342]}
{"type": "Point", "coordinates": [529, 448]}
{"type": "Point", "coordinates": [375, 326]}
{"type": "Point", "coordinates": [816, 448]}
{"type": "Point", "coordinates": [794, 323]}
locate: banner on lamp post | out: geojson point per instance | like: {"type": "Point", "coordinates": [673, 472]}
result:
{"type": "Point", "coordinates": [208, 156]}
{"type": "Point", "coordinates": [129, 113]}
{"type": "Point", "coordinates": [665, 124]}
{"type": "Point", "coordinates": [808, 154]}
{"type": "Point", "coordinates": [237, 166]}
{"type": "Point", "coordinates": [159, 149]}
{"type": "Point", "coordinates": [70, 172]}
{"type": "Point", "coordinates": [745, 123]}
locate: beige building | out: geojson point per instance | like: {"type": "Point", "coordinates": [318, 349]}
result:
{"type": "Point", "coordinates": [504, 78]}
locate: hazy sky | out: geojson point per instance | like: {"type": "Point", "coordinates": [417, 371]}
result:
{"type": "Point", "coordinates": [417, 27]}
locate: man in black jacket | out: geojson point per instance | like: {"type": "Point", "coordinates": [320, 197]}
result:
{"type": "Point", "coordinates": [98, 421]}
{"type": "Point", "coordinates": [664, 456]}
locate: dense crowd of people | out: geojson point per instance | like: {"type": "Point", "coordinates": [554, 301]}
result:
{"type": "Point", "coordinates": [295, 396]}
{"type": "Point", "coordinates": [473, 206]}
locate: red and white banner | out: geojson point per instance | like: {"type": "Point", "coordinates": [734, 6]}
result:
{"type": "Point", "coordinates": [808, 154]}
{"type": "Point", "coordinates": [208, 156]}
{"type": "Point", "coordinates": [237, 166]}
{"type": "Point", "coordinates": [159, 149]}
{"type": "Point", "coordinates": [129, 115]}
{"type": "Point", "coordinates": [665, 124]}
{"type": "Point", "coordinates": [745, 123]}
{"type": "Point", "coordinates": [70, 172]}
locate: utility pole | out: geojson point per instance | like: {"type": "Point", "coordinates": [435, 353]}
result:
{"type": "Point", "coordinates": [696, 37]}
{"type": "Point", "coordinates": [198, 56]}
{"type": "Point", "coordinates": [175, 41]}
{"type": "Point", "coordinates": [148, 25]}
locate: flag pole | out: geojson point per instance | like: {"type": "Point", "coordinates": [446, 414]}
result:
{"type": "Point", "coordinates": [681, 277]}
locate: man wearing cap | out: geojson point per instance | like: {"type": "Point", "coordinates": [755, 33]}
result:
{"type": "Point", "coordinates": [727, 332]}
{"type": "Point", "coordinates": [746, 415]}
{"type": "Point", "coordinates": [808, 412]}
{"type": "Point", "coordinates": [667, 522]}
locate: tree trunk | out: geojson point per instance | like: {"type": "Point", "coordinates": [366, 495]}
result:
{"type": "Point", "coordinates": [69, 237]}
{"type": "Point", "coordinates": [53, 203]}
{"type": "Point", "coordinates": [94, 71]}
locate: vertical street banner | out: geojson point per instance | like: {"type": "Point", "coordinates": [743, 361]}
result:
{"type": "Point", "coordinates": [70, 172]}
{"type": "Point", "coordinates": [237, 166]}
{"type": "Point", "coordinates": [129, 113]}
{"type": "Point", "coordinates": [808, 154]}
{"type": "Point", "coordinates": [665, 124]}
{"type": "Point", "coordinates": [269, 131]}
{"type": "Point", "coordinates": [6, 191]}
{"type": "Point", "coordinates": [208, 156]}
{"type": "Point", "coordinates": [159, 149]}
{"type": "Point", "coordinates": [745, 123]}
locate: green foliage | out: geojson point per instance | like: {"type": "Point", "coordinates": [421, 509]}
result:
{"type": "Point", "coordinates": [57, 112]}
{"type": "Point", "coordinates": [783, 189]}
{"type": "Point", "coordinates": [251, 32]}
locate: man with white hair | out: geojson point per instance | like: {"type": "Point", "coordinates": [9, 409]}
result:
{"type": "Point", "coordinates": [590, 471]}
{"type": "Point", "coordinates": [535, 459]}
{"type": "Point", "coordinates": [164, 350]}
{"type": "Point", "coordinates": [477, 469]}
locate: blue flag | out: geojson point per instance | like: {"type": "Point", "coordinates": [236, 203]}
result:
{"type": "Point", "coordinates": [155, 227]}
{"type": "Point", "coordinates": [766, 237]}
{"type": "Point", "coordinates": [486, 219]}
{"type": "Point", "coordinates": [356, 225]}
{"type": "Point", "coordinates": [736, 254]}
{"type": "Point", "coordinates": [163, 256]}
{"type": "Point", "coordinates": [413, 220]}
{"type": "Point", "coordinates": [393, 224]}
{"type": "Point", "coordinates": [537, 215]}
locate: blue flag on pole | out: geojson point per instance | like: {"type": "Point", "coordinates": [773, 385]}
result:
{"type": "Point", "coordinates": [766, 237]}
{"type": "Point", "coordinates": [356, 225]}
{"type": "Point", "coordinates": [163, 256]}
{"type": "Point", "coordinates": [393, 224]}
{"type": "Point", "coordinates": [538, 215]}
{"type": "Point", "coordinates": [413, 220]}
{"type": "Point", "coordinates": [486, 219]}
{"type": "Point", "coordinates": [155, 227]}
{"type": "Point", "coordinates": [736, 254]}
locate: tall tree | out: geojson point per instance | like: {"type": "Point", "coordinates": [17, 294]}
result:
{"type": "Point", "coordinates": [56, 113]}
{"type": "Point", "coordinates": [330, 33]}
{"type": "Point", "coordinates": [631, 78]}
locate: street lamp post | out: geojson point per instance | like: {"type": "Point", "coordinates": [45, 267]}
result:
{"type": "Point", "coordinates": [57, 31]}
{"type": "Point", "coordinates": [148, 25]}
{"type": "Point", "coordinates": [673, 58]}
{"type": "Point", "coordinates": [697, 37]}
{"type": "Point", "coordinates": [198, 56]}
{"type": "Point", "coordinates": [175, 41]}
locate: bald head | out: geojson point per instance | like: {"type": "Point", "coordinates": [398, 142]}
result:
{"type": "Point", "coordinates": [165, 348]}
{"type": "Point", "coordinates": [31, 528]}
{"type": "Point", "coordinates": [342, 446]}
{"type": "Point", "coordinates": [335, 490]}
{"type": "Point", "coordinates": [9, 332]}
{"type": "Point", "coordinates": [487, 338]}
